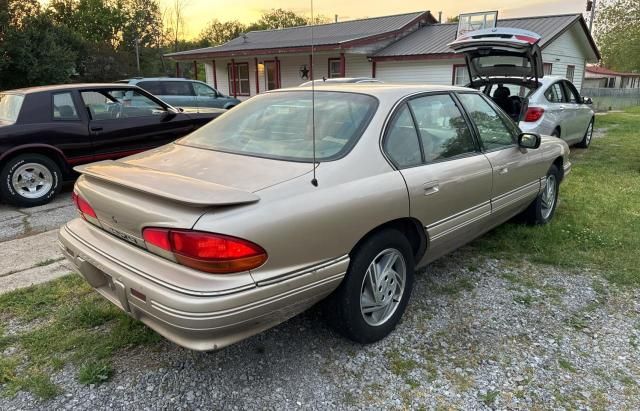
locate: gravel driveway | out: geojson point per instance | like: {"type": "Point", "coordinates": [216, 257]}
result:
{"type": "Point", "coordinates": [479, 333]}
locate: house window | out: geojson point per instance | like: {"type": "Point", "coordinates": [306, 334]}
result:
{"type": "Point", "coordinates": [241, 79]}
{"type": "Point", "coordinates": [334, 68]}
{"type": "Point", "coordinates": [612, 82]}
{"type": "Point", "coordinates": [460, 75]}
{"type": "Point", "coordinates": [271, 75]}
{"type": "Point", "coordinates": [570, 71]}
{"type": "Point", "coordinates": [547, 68]}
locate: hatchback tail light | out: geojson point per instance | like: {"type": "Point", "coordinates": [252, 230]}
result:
{"type": "Point", "coordinates": [83, 206]}
{"type": "Point", "coordinates": [533, 114]}
{"type": "Point", "coordinates": [528, 39]}
{"type": "Point", "coordinates": [209, 252]}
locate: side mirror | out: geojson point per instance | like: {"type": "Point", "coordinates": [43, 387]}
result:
{"type": "Point", "coordinates": [529, 140]}
{"type": "Point", "coordinates": [587, 100]}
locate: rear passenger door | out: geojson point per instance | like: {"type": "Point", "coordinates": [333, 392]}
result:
{"type": "Point", "coordinates": [448, 178]}
{"type": "Point", "coordinates": [558, 111]}
{"type": "Point", "coordinates": [516, 180]}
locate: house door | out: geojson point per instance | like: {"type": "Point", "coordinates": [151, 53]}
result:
{"type": "Point", "coordinates": [271, 75]}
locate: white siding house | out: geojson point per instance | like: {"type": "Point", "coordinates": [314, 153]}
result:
{"type": "Point", "coordinates": [408, 48]}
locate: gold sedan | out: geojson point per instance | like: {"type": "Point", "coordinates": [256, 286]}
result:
{"type": "Point", "coordinates": [230, 230]}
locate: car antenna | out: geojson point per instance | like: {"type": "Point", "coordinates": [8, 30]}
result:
{"type": "Point", "coordinates": [314, 180]}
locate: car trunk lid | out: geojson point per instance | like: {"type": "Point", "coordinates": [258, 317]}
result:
{"type": "Point", "coordinates": [501, 52]}
{"type": "Point", "coordinates": [172, 186]}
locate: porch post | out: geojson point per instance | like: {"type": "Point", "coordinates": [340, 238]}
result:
{"type": "Point", "coordinates": [373, 68]}
{"type": "Point", "coordinates": [177, 69]}
{"type": "Point", "coordinates": [233, 78]}
{"type": "Point", "coordinates": [257, 77]}
{"type": "Point", "coordinates": [277, 72]}
{"type": "Point", "coordinates": [195, 70]}
{"type": "Point", "coordinates": [215, 75]}
{"type": "Point", "coordinates": [310, 67]}
{"type": "Point", "coordinates": [342, 65]}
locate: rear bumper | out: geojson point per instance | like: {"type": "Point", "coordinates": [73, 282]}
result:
{"type": "Point", "coordinates": [196, 322]}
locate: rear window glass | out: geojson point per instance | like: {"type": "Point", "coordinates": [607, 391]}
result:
{"type": "Point", "coordinates": [279, 126]}
{"type": "Point", "coordinates": [153, 87]}
{"type": "Point", "coordinates": [10, 105]}
{"type": "Point", "coordinates": [177, 88]}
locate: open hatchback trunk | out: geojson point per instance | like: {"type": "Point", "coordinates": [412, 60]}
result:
{"type": "Point", "coordinates": [503, 56]}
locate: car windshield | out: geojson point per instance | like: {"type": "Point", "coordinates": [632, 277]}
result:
{"type": "Point", "coordinates": [279, 125]}
{"type": "Point", "coordinates": [10, 105]}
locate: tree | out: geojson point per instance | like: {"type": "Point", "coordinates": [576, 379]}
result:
{"type": "Point", "coordinates": [218, 32]}
{"type": "Point", "coordinates": [278, 19]}
{"type": "Point", "coordinates": [36, 52]}
{"type": "Point", "coordinates": [617, 31]}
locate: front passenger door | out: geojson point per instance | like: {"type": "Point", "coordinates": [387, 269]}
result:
{"type": "Point", "coordinates": [515, 180]}
{"type": "Point", "coordinates": [448, 179]}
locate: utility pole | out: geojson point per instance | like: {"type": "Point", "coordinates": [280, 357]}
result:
{"type": "Point", "coordinates": [137, 43]}
{"type": "Point", "coordinates": [591, 6]}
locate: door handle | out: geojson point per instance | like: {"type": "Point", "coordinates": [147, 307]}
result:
{"type": "Point", "coordinates": [96, 128]}
{"type": "Point", "coordinates": [503, 170]}
{"type": "Point", "coordinates": [431, 187]}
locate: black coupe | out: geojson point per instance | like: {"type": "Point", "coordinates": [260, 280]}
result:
{"type": "Point", "coordinates": [45, 131]}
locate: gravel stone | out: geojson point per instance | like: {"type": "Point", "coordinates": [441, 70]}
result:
{"type": "Point", "coordinates": [503, 335]}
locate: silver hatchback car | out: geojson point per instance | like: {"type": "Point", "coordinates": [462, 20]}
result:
{"type": "Point", "coordinates": [506, 64]}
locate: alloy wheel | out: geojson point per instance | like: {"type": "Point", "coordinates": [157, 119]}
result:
{"type": "Point", "coordinates": [32, 180]}
{"type": "Point", "coordinates": [549, 196]}
{"type": "Point", "coordinates": [383, 286]}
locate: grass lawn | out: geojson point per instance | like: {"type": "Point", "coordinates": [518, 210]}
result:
{"type": "Point", "coordinates": [597, 222]}
{"type": "Point", "coordinates": [64, 321]}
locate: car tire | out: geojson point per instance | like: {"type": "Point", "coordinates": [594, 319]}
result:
{"type": "Point", "coordinates": [30, 180]}
{"type": "Point", "coordinates": [543, 208]}
{"type": "Point", "coordinates": [349, 308]}
{"type": "Point", "coordinates": [588, 135]}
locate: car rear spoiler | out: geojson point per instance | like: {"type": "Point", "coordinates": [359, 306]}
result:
{"type": "Point", "coordinates": [174, 187]}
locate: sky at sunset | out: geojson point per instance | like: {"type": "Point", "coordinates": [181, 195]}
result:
{"type": "Point", "coordinates": [199, 12]}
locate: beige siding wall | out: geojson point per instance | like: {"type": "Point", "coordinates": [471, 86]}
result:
{"type": "Point", "coordinates": [566, 50]}
{"type": "Point", "coordinates": [438, 72]}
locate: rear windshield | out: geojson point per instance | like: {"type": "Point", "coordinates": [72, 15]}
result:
{"type": "Point", "coordinates": [10, 105]}
{"type": "Point", "coordinates": [278, 125]}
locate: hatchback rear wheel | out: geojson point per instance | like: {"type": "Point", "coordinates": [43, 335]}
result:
{"type": "Point", "coordinates": [588, 135]}
{"type": "Point", "coordinates": [374, 294]}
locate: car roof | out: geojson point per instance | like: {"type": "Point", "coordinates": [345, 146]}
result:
{"type": "Point", "coordinates": [140, 79]}
{"type": "Point", "coordinates": [388, 90]}
{"type": "Point", "coordinates": [57, 87]}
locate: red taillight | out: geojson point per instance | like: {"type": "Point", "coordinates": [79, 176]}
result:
{"type": "Point", "coordinates": [83, 206]}
{"type": "Point", "coordinates": [209, 252]}
{"type": "Point", "coordinates": [533, 114]}
{"type": "Point", "coordinates": [528, 39]}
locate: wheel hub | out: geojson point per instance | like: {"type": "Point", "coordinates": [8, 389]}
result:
{"type": "Point", "coordinates": [32, 180]}
{"type": "Point", "coordinates": [383, 287]}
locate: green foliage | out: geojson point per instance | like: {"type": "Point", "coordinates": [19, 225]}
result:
{"type": "Point", "coordinates": [219, 32]}
{"type": "Point", "coordinates": [597, 221]}
{"type": "Point", "coordinates": [617, 30]}
{"type": "Point", "coordinates": [95, 372]}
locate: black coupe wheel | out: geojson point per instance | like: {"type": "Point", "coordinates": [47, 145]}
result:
{"type": "Point", "coordinates": [374, 294]}
{"type": "Point", "coordinates": [30, 180]}
{"type": "Point", "coordinates": [543, 208]}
